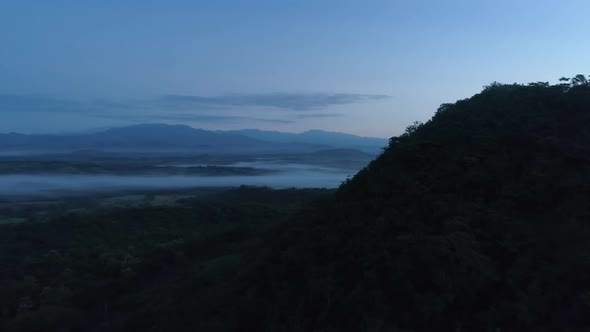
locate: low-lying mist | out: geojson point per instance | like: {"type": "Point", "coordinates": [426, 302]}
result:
{"type": "Point", "coordinates": [55, 184]}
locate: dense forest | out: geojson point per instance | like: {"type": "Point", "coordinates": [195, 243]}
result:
{"type": "Point", "coordinates": [476, 220]}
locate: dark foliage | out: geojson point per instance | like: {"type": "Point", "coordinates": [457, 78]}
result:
{"type": "Point", "coordinates": [146, 268]}
{"type": "Point", "coordinates": [475, 220]}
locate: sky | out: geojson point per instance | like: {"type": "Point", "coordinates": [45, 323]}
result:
{"type": "Point", "coordinates": [367, 67]}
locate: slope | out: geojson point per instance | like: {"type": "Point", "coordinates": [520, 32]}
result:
{"type": "Point", "coordinates": [475, 220]}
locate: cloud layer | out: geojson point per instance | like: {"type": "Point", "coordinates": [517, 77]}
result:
{"type": "Point", "coordinates": [287, 101]}
{"type": "Point", "coordinates": [193, 108]}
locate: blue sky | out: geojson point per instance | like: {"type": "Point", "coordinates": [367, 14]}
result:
{"type": "Point", "coordinates": [364, 67]}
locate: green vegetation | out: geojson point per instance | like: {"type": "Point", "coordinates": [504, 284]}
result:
{"type": "Point", "coordinates": [476, 220]}
{"type": "Point", "coordinates": [132, 268]}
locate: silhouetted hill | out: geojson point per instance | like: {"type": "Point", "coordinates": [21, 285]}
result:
{"type": "Point", "coordinates": [370, 144]}
{"type": "Point", "coordinates": [474, 221]}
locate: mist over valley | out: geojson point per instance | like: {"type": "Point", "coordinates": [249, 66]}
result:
{"type": "Point", "coordinates": [148, 157]}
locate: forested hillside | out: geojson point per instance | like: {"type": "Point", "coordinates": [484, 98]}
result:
{"type": "Point", "coordinates": [474, 221]}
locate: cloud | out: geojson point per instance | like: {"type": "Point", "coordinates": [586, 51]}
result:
{"type": "Point", "coordinates": [190, 108]}
{"type": "Point", "coordinates": [135, 110]}
{"type": "Point", "coordinates": [287, 101]}
{"type": "Point", "coordinates": [188, 117]}
{"type": "Point", "coordinates": [320, 115]}
{"type": "Point", "coordinates": [33, 103]}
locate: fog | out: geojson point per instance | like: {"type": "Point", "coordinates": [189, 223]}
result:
{"type": "Point", "coordinates": [276, 164]}
{"type": "Point", "coordinates": [291, 175]}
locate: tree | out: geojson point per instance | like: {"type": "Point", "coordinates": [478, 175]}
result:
{"type": "Point", "coordinates": [540, 84]}
{"type": "Point", "coordinates": [412, 128]}
{"type": "Point", "coordinates": [492, 85]}
{"type": "Point", "coordinates": [579, 80]}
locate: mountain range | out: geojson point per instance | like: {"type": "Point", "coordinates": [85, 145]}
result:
{"type": "Point", "coordinates": [182, 138]}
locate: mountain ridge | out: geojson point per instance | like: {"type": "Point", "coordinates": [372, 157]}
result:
{"type": "Point", "coordinates": [155, 135]}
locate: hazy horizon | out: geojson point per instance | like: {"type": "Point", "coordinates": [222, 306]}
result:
{"type": "Point", "coordinates": [368, 68]}
{"type": "Point", "coordinates": [105, 128]}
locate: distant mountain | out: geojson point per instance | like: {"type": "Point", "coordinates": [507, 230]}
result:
{"type": "Point", "coordinates": [137, 138]}
{"type": "Point", "coordinates": [162, 138]}
{"type": "Point", "coordinates": [338, 157]}
{"type": "Point", "coordinates": [320, 137]}
{"type": "Point", "coordinates": [341, 153]}
{"type": "Point", "coordinates": [173, 136]}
